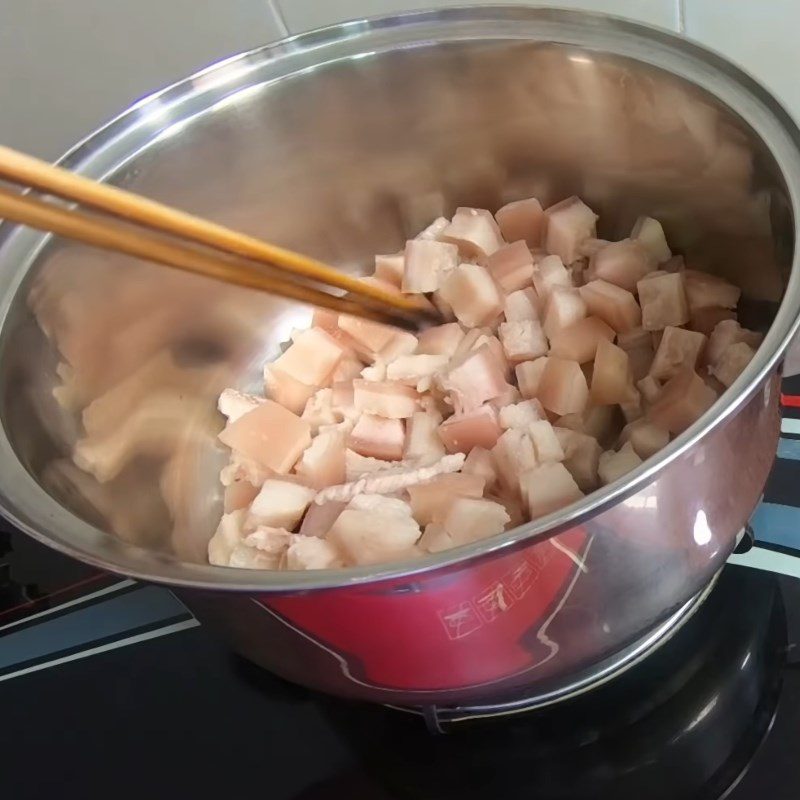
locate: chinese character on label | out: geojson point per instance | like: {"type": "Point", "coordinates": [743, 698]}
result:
{"type": "Point", "coordinates": [493, 602]}
{"type": "Point", "coordinates": [520, 579]}
{"type": "Point", "coordinates": [460, 620]}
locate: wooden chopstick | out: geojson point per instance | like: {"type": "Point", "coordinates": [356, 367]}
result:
{"type": "Point", "coordinates": [110, 235]}
{"type": "Point", "coordinates": [26, 170]}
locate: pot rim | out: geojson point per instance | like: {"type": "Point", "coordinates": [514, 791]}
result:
{"type": "Point", "coordinates": [39, 515]}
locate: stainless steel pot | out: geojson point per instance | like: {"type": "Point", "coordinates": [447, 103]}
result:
{"type": "Point", "coordinates": [340, 143]}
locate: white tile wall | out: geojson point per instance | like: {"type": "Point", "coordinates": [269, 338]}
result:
{"type": "Point", "coordinates": [66, 66]}
{"type": "Point", "coordinates": [761, 37]}
{"type": "Point", "coordinates": [302, 15]}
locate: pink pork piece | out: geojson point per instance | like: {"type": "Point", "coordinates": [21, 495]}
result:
{"type": "Point", "coordinates": [612, 381]}
{"type": "Point", "coordinates": [378, 437]}
{"type": "Point", "coordinates": [709, 291]}
{"type": "Point", "coordinates": [390, 268]}
{"type": "Point", "coordinates": [426, 263]}
{"type": "Point", "coordinates": [649, 388]}
{"type": "Point", "coordinates": [581, 457]}
{"type": "Point", "coordinates": [513, 454]}
{"type": "Point", "coordinates": [478, 428]}
{"type": "Point", "coordinates": [578, 342]}
{"type": "Point", "coordinates": [726, 333]}
{"type": "Point", "coordinates": [441, 340]}
{"type": "Point", "coordinates": [431, 499]}
{"type": "Point", "coordinates": [545, 442]}
{"type": "Point", "coordinates": [320, 517]}
{"type": "Point", "coordinates": [547, 488]}
{"type": "Point", "coordinates": [548, 274]}
{"type": "Point", "coordinates": [239, 494]}
{"type": "Point", "coordinates": [326, 319]}
{"type": "Point", "coordinates": [529, 376]}
{"type": "Point", "coordinates": [509, 396]}
{"type": "Point", "coordinates": [522, 219]}
{"type": "Point", "coordinates": [322, 462]}
{"type": "Point", "coordinates": [423, 444]}
{"type": "Point", "coordinates": [732, 363]}
{"type": "Point", "coordinates": [617, 307]}
{"type": "Point", "coordinates": [613, 465]}
{"type": "Point", "coordinates": [521, 415]}
{"type": "Point", "coordinates": [569, 223]}
{"type": "Point", "coordinates": [280, 504]}
{"type": "Point", "coordinates": [478, 377]}
{"type": "Point", "coordinates": [677, 350]}
{"type": "Point", "coordinates": [270, 435]}
{"type": "Point", "coordinates": [522, 304]}
{"type": "Point", "coordinates": [681, 402]}
{"type": "Point", "coordinates": [369, 336]}
{"type": "Point", "coordinates": [563, 388]}
{"type": "Point", "coordinates": [480, 462]}
{"type": "Point", "coordinates": [390, 399]}
{"type": "Point", "coordinates": [311, 358]}
{"type": "Point", "coordinates": [475, 233]}
{"type": "Point", "coordinates": [402, 343]}
{"type": "Point", "coordinates": [663, 301]}
{"type": "Point", "coordinates": [472, 294]}
{"type": "Point", "coordinates": [704, 320]}
{"type": "Point", "coordinates": [564, 308]}
{"type": "Point", "coordinates": [511, 266]}
{"type": "Point", "coordinates": [523, 340]}
{"type": "Point", "coordinates": [286, 390]}
{"type": "Point", "coordinates": [622, 263]}
{"type": "Point", "coordinates": [348, 368]}
{"type": "Point", "coordinates": [645, 437]}
{"type": "Point", "coordinates": [650, 234]}
{"type": "Point", "coordinates": [416, 370]}
{"type": "Point", "coordinates": [469, 519]}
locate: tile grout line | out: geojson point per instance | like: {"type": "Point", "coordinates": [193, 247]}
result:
{"type": "Point", "coordinates": [280, 21]}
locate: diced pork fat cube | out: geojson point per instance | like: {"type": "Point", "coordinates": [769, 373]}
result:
{"type": "Point", "coordinates": [684, 398]}
{"type": "Point", "coordinates": [269, 539]}
{"type": "Point", "coordinates": [390, 268]}
{"type": "Point", "coordinates": [319, 518]}
{"type": "Point", "coordinates": [649, 232]}
{"type": "Point", "coordinates": [545, 442]}
{"type": "Point", "coordinates": [416, 370]}
{"type": "Point", "coordinates": [423, 444]}
{"type": "Point", "coordinates": [375, 372]}
{"type": "Point", "coordinates": [529, 376]}
{"type": "Point", "coordinates": [638, 344]}
{"type": "Point", "coordinates": [280, 504]}
{"type": "Point", "coordinates": [521, 415]}
{"type": "Point", "coordinates": [522, 219]}
{"type": "Point", "coordinates": [645, 437]}
{"type": "Point", "coordinates": [614, 465]}
{"type": "Point", "coordinates": [402, 343]}
{"type": "Point", "coordinates": [319, 410]}
{"type": "Point", "coordinates": [523, 304]}
{"type": "Point", "coordinates": [378, 437]}
{"type": "Point", "coordinates": [475, 232]}
{"type": "Point", "coordinates": [632, 409]}
{"type": "Point", "coordinates": [472, 294]}
{"type": "Point", "coordinates": [612, 381]}
{"type": "Point", "coordinates": [663, 301]}
{"type": "Point", "coordinates": [322, 462]}
{"type": "Point", "coordinates": [239, 494]}
{"type": "Point", "coordinates": [430, 500]}
{"type": "Point", "coordinates": [704, 320]}
{"type": "Point", "coordinates": [617, 307]}
{"type": "Point", "coordinates": [326, 319]}
{"type": "Point", "coordinates": [368, 336]}
{"type": "Point", "coordinates": [726, 333]}
{"type": "Point", "coordinates": [342, 399]}
{"type": "Point", "coordinates": [478, 428]}
{"type": "Point", "coordinates": [372, 536]}
{"type": "Point", "coordinates": [563, 388]}
{"type": "Point", "coordinates": [235, 404]}
{"type": "Point", "coordinates": [389, 399]}
{"type": "Point", "coordinates": [523, 340]}
{"type": "Point", "coordinates": [509, 397]}
{"type": "Point", "coordinates": [309, 552]}
{"type": "Point", "coordinates": [434, 230]}
{"type": "Point", "coordinates": [356, 465]}
{"type": "Point", "coordinates": [226, 537]}
{"type": "Point", "coordinates": [709, 291]}
{"type": "Point", "coordinates": [469, 519]}
{"type": "Point", "coordinates": [548, 274]}
{"type": "Point", "coordinates": [347, 369]}
{"type": "Point", "coordinates": [565, 307]}
{"type": "Point", "coordinates": [497, 351]}
{"type": "Point", "coordinates": [511, 266]}
{"type": "Point", "coordinates": [589, 247]}
{"type": "Point", "coordinates": [269, 435]}
{"type": "Point", "coordinates": [547, 488]}
{"type": "Point", "coordinates": [426, 263]}
{"type": "Point", "coordinates": [441, 340]}
{"type": "Point", "coordinates": [286, 390]}
{"type": "Point", "coordinates": [435, 539]}
{"type": "Point", "coordinates": [578, 342]}
{"type": "Point", "coordinates": [601, 422]}
{"type": "Point", "coordinates": [311, 358]}
{"type": "Point", "coordinates": [469, 341]}
{"type": "Point", "coordinates": [581, 457]}
{"type": "Point", "coordinates": [569, 223]}
{"type": "Point", "coordinates": [480, 376]}
{"type": "Point", "coordinates": [732, 363]}
{"type": "Point", "coordinates": [512, 455]}
{"type": "Point", "coordinates": [677, 350]}
{"type": "Point", "coordinates": [480, 462]}
{"type": "Point", "coordinates": [622, 263]}
{"type": "Point", "coordinates": [649, 388]}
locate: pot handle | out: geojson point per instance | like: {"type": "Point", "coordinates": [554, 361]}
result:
{"type": "Point", "coordinates": [771, 541]}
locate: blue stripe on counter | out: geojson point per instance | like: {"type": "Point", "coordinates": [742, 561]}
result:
{"type": "Point", "coordinates": [777, 524]}
{"type": "Point", "coordinates": [115, 616]}
{"type": "Point", "coordinates": [789, 448]}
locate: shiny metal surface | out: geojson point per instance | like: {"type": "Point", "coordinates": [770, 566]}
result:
{"type": "Point", "coordinates": [340, 143]}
